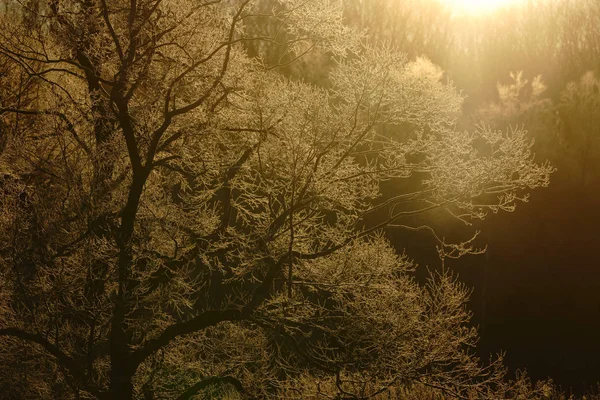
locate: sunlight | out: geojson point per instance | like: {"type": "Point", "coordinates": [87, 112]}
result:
{"type": "Point", "coordinates": [477, 6]}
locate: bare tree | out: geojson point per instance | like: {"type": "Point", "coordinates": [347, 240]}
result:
{"type": "Point", "coordinates": [179, 218]}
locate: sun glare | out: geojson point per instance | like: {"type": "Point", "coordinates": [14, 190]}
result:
{"type": "Point", "coordinates": [477, 6]}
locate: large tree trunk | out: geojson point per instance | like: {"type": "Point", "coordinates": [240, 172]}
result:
{"type": "Point", "coordinates": [122, 367]}
{"type": "Point", "coordinates": [121, 386]}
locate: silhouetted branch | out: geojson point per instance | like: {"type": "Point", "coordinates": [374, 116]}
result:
{"type": "Point", "coordinates": [213, 380]}
{"type": "Point", "coordinates": [63, 359]}
{"type": "Point", "coordinates": [60, 115]}
{"type": "Point", "coordinates": [202, 321]}
{"type": "Point", "coordinates": [208, 318]}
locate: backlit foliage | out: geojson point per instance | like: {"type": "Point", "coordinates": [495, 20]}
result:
{"type": "Point", "coordinates": [565, 130]}
{"type": "Point", "coordinates": [179, 218]}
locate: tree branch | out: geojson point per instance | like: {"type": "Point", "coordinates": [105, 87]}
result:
{"type": "Point", "coordinates": [170, 114]}
{"type": "Point", "coordinates": [213, 380]}
{"type": "Point", "coordinates": [111, 30]}
{"type": "Point", "coordinates": [202, 321]}
{"type": "Point", "coordinates": [209, 318]}
{"type": "Point", "coordinates": [60, 115]}
{"type": "Point", "coordinates": [63, 359]}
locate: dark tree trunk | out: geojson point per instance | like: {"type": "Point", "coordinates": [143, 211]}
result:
{"type": "Point", "coordinates": [121, 386]}
{"type": "Point", "coordinates": [122, 367]}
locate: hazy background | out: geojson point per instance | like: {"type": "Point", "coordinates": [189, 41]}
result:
{"type": "Point", "coordinates": [537, 290]}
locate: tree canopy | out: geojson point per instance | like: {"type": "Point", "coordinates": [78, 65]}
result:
{"type": "Point", "coordinates": [180, 218]}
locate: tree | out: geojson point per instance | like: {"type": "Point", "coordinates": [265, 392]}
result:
{"type": "Point", "coordinates": [566, 132]}
{"type": "Point", "coordinates": [179, 219]}
{"type": "Point", "coordinates": [417, 28]}
{"type": "Point", "coordinates": [578, 110]}
{"type": "Point", "coordinates": [555, 38]}
{"type": "Point", "coordinates": [524, 103]}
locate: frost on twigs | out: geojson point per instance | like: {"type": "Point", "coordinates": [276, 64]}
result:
{"type": "Point", "coordinates": [381, 87]}
{"type": "Point", "coordinates": [179, 218]}
{"type": "Point", "coordinates": [307, 20]}
{"type": "Point", "coordinates": [486, 170]}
